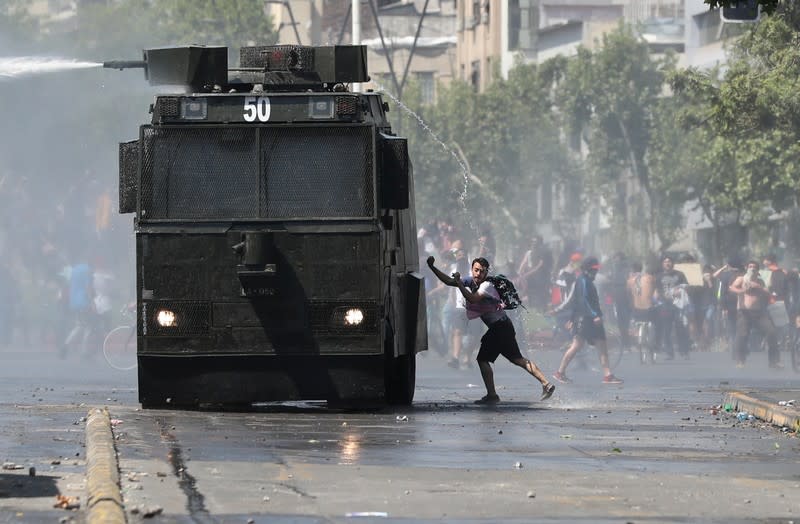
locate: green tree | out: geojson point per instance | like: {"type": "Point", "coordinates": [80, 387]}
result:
{"type": "Point", "coordinates": [232, 23]}
{"type": "Point", "coordinates": [98, 35]}
{"type": "Point", "coordinates": [483, 156]}
{"type": "Point", "coordinates": [609, 98]}
{"type": "Point", "coordinates": [750, 120]}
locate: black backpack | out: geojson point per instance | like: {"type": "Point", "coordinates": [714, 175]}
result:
{"type": "Point", "coordinates": [508, 293]}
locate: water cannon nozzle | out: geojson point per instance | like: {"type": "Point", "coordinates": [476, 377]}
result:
{"type": "Point", "coordinates": [125, 64]}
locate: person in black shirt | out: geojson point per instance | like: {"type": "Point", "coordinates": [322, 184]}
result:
{"type": "Point", "coordinates": [778, 281]}
{"type": "Point", "coordinates": [670, 283]}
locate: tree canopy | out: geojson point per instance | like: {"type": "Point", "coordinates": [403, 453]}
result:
{"type": "Point", "coordinates": [750, 120]}
{"type": "Point", "coordinates": [621, 130]}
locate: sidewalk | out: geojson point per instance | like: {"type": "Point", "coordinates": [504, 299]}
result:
{"type": "Point", "coordinates": [765, 405]}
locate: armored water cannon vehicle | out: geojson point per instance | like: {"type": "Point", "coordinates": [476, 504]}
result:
{"type": "Point", "coordinates": [275, 232]}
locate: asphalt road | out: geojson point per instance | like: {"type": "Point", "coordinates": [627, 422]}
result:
{"type": "Point", "coordinates": [650, 450]}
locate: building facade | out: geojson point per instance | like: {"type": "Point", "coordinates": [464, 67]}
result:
{"type": "Point", "coordinates": [406, 40]}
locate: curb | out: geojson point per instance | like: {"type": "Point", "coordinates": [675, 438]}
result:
{"type": "Point", "coordinates": [104, 500]}
{"type": "Point", "coordinates": [766, 411]}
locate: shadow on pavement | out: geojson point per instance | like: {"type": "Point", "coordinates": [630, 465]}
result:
{"type": "Point", "coordinates": [22, 486]}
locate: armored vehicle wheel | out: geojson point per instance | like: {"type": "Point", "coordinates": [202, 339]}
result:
{"type": "Point", "coordinates": [401, 379]}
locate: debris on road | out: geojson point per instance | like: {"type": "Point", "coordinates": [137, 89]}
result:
{"type": "Point", "coordinates": [68, 503]}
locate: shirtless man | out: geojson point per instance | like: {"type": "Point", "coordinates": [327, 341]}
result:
{"type": "Point", "coordinates": [753, 299]}
{"type": "Point", "coordinates": [641, 288]}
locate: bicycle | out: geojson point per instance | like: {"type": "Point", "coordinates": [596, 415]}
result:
{"type": "Point", "coordinates": [119, 345]}
{"type": "Point", "coordinates": [645, 340]}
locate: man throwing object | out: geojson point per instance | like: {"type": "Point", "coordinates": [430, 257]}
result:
{"type": "Point", "coordinates": [483, 301]}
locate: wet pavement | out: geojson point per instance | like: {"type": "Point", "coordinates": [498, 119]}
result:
{"type": "Point", "coordinates": [652, 450]}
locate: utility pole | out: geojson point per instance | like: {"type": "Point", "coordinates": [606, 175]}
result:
{"type": "Point", "coordinates": [356, 14]}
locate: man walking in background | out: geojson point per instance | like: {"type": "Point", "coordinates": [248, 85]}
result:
{"type": "Point", "coordinates": [587, 322]}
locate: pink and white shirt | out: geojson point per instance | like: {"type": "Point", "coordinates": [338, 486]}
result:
{"type": "Point", "coordinates": [490, 307]}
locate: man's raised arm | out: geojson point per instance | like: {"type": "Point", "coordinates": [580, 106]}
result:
{"type": "Point", "coordinates": [450, 281]}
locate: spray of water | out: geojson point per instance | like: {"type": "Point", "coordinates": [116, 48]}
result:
{"type": "Point", "coordinates": [13, 67]}
{"type": "Point", "coordinates": [462, 197]}
{"type": "Point", "coordinates": [523, 313]}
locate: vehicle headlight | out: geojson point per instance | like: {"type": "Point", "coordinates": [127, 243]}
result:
{"type": "Point", "coordinates": [353, 317]}
{"type": "Point", "coordinates": [194, 108]}
{"type": "Point", "coordinates": [166, 318]}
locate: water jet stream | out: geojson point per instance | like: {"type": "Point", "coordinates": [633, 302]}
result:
{"type": "Point", "coordinates": [17, 66]}
{"type": "Point", "coordinates": [459, 160]}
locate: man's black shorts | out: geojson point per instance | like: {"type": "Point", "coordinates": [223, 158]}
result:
{"type": "Point", "coordinates": [587, 329]}
{"type": "Point", "coordinates": [500, 339]}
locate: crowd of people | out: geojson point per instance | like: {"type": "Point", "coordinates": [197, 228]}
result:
{"type": "Point", "coordinates": [718, 308]}
{"type": "Point", "coordinates": [66, 260]}
{"type": "Point", "coordinates": [67, 268]}
{"type": "Point", "coordinates": [739, 306]}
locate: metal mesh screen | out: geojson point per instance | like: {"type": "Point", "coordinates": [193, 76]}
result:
{"type": "Point", "coordinates": [217, 173]}
{"type": "Point", "coordinates": [204, 173]}
{"type": "Point", "coordinates": [317, 172]}
{"type": "Point", "coordinates": [277, 58]}
{"type": "Point", "coordinates": [168, 106]}
{"type": "Point", "coordinates": [346, 105]}
{"type": "Point", "coordinates": [128, 175]}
